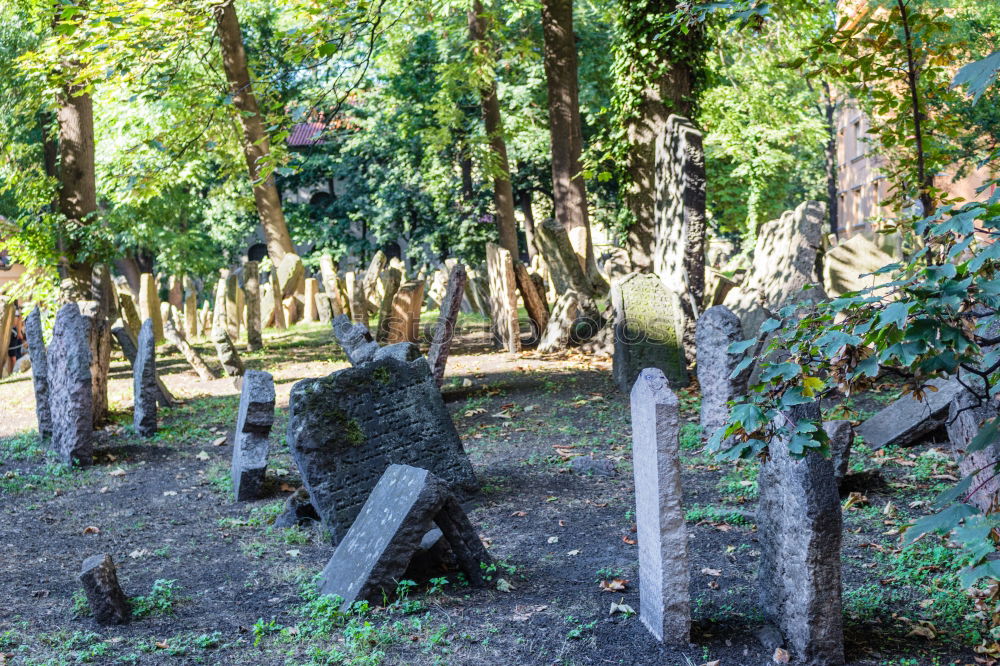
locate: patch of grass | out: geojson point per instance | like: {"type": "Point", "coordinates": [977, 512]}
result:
{"type": "Point", "coordinates": [740, 482]}
{"type": "Point", "coordinates": [220, 477]}
{"type": "Point", "coordinates": [159, 601]}
{"type": "Point", "coordinates": [48, 477]}
{"type": "Point", "coordinates": [22, 446]}
{"type": "Point", "coordinates": [690, 438]}
{"type": "Point", "coordinates": [714, 514]}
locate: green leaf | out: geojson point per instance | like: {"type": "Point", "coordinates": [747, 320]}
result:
{"type": "Point", "coordinates": [770, 325]}
{"type": "Point", "coordinates": [740, 347]}
{"type": "Point", "coordinates": [978, 75]}
{"type": "Point", "coordinates": [743, 365]}
{"type": "Point", "coordinates": [942, 522]}
{"type": "Point", "coordinates": [988, 435]}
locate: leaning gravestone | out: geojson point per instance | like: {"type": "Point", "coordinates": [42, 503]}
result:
{"type": "Point", "coordinates": [355, 339]}
{"type": "Point", "coordinates": [841, 434]}
{"type": "Point", "coordinates": [905, 421]}
{"type": "Point", "coordinates": [345, 429]}
{"type": "Point", "coordinates": [289, 272]}
{"type": "Point", "coordinates": [664, 570]}
{"type": "Point", "coordinates": [70, 391]}
{"type": "Point", "coordinates": [391, 279]}
{"type": "Point", "coordinates": [39, 372]}
{"type": "Point", "coordinates": [329, 274]}
{"type": "Point", "coordinates": [848, 265]}
{"type": "Point", "coordinates": [503, 299]}
{"type": "Point", "coordinates": [404, 325]}
{"type": "Point", "coordinates": [799, 527]}
{"type": "Point", "coordinates": [717, 329]}
{"type": "Point", "coordinates": [149, 305]}
{"type": "Point", "coordinates": [253, 426]}
{"type": "Point", "coordinates": [966, 415]}
{"type": "Point", "coordinates": [144, 389]}
{"type": "Point", "coordinates": [226, 351]}
{"type": "Point", "coordinates": [105, 597]}
{"type": "Point", "coordinates": [405, 504]}
{"type": "Point", "coordinates": [251, 292]}
{"type": "Point", "coordinates": [646, 331]}
{"type": "Point", "coordinates": [444, 333]}
{"type": "Point", "coordinates": [129, 345]}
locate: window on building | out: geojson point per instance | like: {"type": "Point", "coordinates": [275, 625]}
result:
{"type": "Point", "coordinates": [859, 142]}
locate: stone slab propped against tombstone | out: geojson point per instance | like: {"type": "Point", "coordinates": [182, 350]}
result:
{"type": "Point", "coordinates": [128, 344]}
{"type": "Point", "coordinates": [345, 429]}
{"type": "Point", "coordinates": [905, 421]}
{"type": "Point", "coordinates": [406, 503]}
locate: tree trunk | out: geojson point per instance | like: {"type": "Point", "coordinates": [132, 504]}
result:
{"type": "Point", "coordinates": [524, 200]}
{"type": "Point", "coordinates": [829, 111]}
{"type": "Point", "coordinates": [569, 188]}
{"type": "Point", "coordinates": [78, 187]}
{"type": "Point", "coordinates": [256, 147]}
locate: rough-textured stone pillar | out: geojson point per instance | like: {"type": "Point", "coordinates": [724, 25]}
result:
{"type": "Point", "coordinates": [226, 350]}
{"type": "Point", "coordinates": [799, 529]}
{"type": "Point", "coordinates": [104, 595]}
{"type": "Point", "coordinates": [392, 277]}
{"type": "Point", "coordinates": [444, 333]}
{"type": "Point", "coordinates": [328, 271]}
{"type": "Point", "coordinates": [312, 290]}
{"type": "Point", "coordinates": [232, 304]}
{"type": "Point", "coordinates": [190, 308]}
{"type": "Point", "coordinates": [966, 415]}
{"type": "Point", "coordinates": [144, 389]}
{"type": "Point", "coordinates": [70, 389]}
{"type": "Point", "coordinates": [664, 570]}
{"type": "Point", "coordinates": [175, 292]}
{"type": "Point", "coordinates": [190, 354]}
{"type": "Point", "coordinates": [129, 346]}
{"type": "Point", "coordinates": [289, 272]}
{"type": "Point", "coordinates": [99, 337]}
{"type": "Point", "coordinates": [279, 311]}
{"type": "Point", "coordinates": [718, 328]}
{"type": "Point", "coordinates": [356, 298]}
{"type": "Point", "coordinates": [559, 331]}
{"type": "Point", "coordinates": [404, 324]}
{"type": "Point", "coordinates": [841, 434]}
{"type": "Point", "coordinates": [149, 305]}
{"type": "Point", "coordinates": [323, 311]}
{"type": "Point", "coordinates": [251, 292]}
{"type": "Point", "coordinates": [130, 314]}
{"type": "Point", "coordinates": [39, 372]}
{"type": "Point", "coordinates": [370, 278]}
{"type": "Point", "coordinates": [253, 426]}
{"type": "Point", "coordinates": [503, 298]}
{"type": "Point", "coordinates": [219, 306]}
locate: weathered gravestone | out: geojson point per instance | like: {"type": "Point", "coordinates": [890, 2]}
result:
{"type": "Point", "coordinates": [144, 389]}
{"type": "Point", "coordinates": [355, 339]}
{"type": "Point", "coordinates": [311, 292]}
{"type": "Point", "coordinates": [841, 434]}
{"type": "Point", "coordinates": [105, 597]}
{"type": "Point", "coordinates": [848, 265]}
{"type": "Point", "coordinates": [444, 332]}
{"type": "Point", "coordinates": [99, 339]}
{"type": "Point", "coordinates": [253, 426]}
{"type": "Point", "coordinates": [664, 570]}
{"type": "Point", "coordinates": [189, 353]}
{"type": "Point", "coordinates": [405, 504]}
{"type": "Point", "coordinates": [401, 351]}
{"type": "Point", "coordinates": [344, 430]}
{"type": "Point", "coordinates": [356, 298]}
{"type": "Point", "coordinates": [329, 274]}
{"type": "Point", "coordinates": [503, 299]}
{"type": "Point", "coordinates": [130, 315]}
{"type": "Point", "coordinates": [231, 302]}
{"type": "Point", "coordinates": [149, 306]}
{"type": "Point", "coordinates": [190, 310]}
{"type": "Point", "coordinates": [289, 273]}
{"type": "Point", "coordinates": [129, 346]}
{"type": "Point", "coordinates": [679, 219]}
{"type": "Point", "coordinates": [323, 311]}
{"type": "Point", "coordinates": [404, 325]}
{"type": "Point", "coordinates": [559, 331]}
{"type": "Point", "coordinates": [70, 390]}
{"type": "Point", "coordinates": [226, 351]}
{"type": "Point", "coordinates": [646, 331]}
{"type": "Point", "coordinates": [251, 293]}
{"type": "Point", "coordinates": [717, 329]}
{"type": "Point", "coordinates": [279, 310]}
{"type": "Point", "coordinates": [799, 531]}
{"type": "Point", "coordinates": [392, 277]}
{"type": "Point", "coordinates": [966, 414]}
{"type": "Point", "coordinates": [39, 372]}
{"type": "Point", "coordinates": [907, 420]}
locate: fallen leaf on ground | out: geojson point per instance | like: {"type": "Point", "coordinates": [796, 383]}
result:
{"type": "Point", "coordinates": [781, 656]}
{"type": "Point", "coordinates": [169, 493]}
{"type": "Point", "coordinates": [292, 553]}
{"type": "Point", "coordinates": [475, 411]}
{"type": "Point", "coordinates": [614, 585]}
{"type": "Point", "coordinates": [221, 441]}
{"type": "Point", "coordinates": [503, 585]}
{"type": "Point", "coordinates": [286, 488]}
{"type": "Point", "coordinates": [162, 645]}
{"type": "Point", "coordinates": [136, 554]}
{"type": "Point", "coordinates": [91, 529]}
{"type": "Point", "coordinates": [621, 608]}
{"type": "Point", "coordinates": [854, 499]}
{"type": "Point", "coordinates": [573, 552]}
{"type": "Point", "coordinates": [202, 456]}
{"type": "Point", "coordinates": [520, 514]}
{"type": "Point", "coordinates": [711, 572]}
{"type": "Point", "coordinates": [117, 472]}
{"type": "Point", "coordinates": [629, 541]}
{"type": "Point", "coordinates": [712, 663]}
{"type": "Point", "coordinates": [553, 539]}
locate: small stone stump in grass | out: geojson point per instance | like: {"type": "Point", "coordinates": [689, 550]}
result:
{"type": "Point", "coordinates": [253, 426]}
{"type": "Point", "coordinates": [104, 595]}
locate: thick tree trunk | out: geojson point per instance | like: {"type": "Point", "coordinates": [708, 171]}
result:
{"type": "Point", "coordinates": [829, 112]}
{"type": "Point", "coordinates": [569, 188]}
{"type": "Point", "coordinates": [256, 146]}
{"type": "Point", "coordinates": [78, 187]}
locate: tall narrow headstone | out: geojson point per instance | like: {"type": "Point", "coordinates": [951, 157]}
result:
{"type": "Point", "coordinates": [175, 292]}
{"type": "Point", "coordinates": [404, 325]}
{"type": "Point", "coordinates": [232, 305]}
{"type": "Point", "coordinates": [503, 299]}
{"type": "Point", "coordinates": [149, 304]}
{"type": "Point", "coordinates": [799, 530]}
{"type": "Point", "coordinates": [323, 310]}
{"type": "Point", "coordinates": [129, 346]}
{"type": "Point", "coordinates": [391, 279]}
{"type": "Point", "coordinates": [328, 272]}
{"type": "Point", "coordinates": [356, 297]}
{"type": "Point", "coordinates": [646, 331]}
{"type": "Point", "coordinates": [253, 426]}
{"type": "Point", "coordinates": [371, 275]}
{"type": "Point", "coordinates": [130, 315]}
{"type": "Point", "coordinates": [190, 308]}
{"type": "Point", "coordinates": [279, 311]}
{"type": "Point", "coordinates": [226, 351]}
{"type": "Point", "coordinates": [251, 290]}
{"type": "Point", "coordinates": [444, 333]}
{"type": "Point", "coordinates": [39, 372]}
{"type": "Point", "coordinates": [70, 390]}
{"type": "Point", "coordinates": [664, 569]}
{"type": "Point", "coordinates": [717, 329]}
{"type": "Point", "coordinates": [144, 389]}
{"type": "Point", "coordinates": [289, 272]}
{"type": "Point", "coordinates": [99, 338]}
{"type": "Point", "coordinates": [312, 290]}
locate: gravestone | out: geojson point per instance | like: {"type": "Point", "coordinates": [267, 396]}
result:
{"type": "Point", "coordinates": [618, 264]}
{"type": "Point", "coordinates": [39, 372]}
{"type": "Point", "coordinates": [403, 507]}
{"type": "Point", "coordinates": [679, 219]}
{"type": "Point", "coordinates": [391, 279]}
{"type": "Point", "coordinates": [345, 429]}
{"type": "Point", "coordinates": [717, 329]}
{"type": "Point", "coordinates": [232, 305]}
{"type": "Point", "coordinates": [149, 306]}
{"type": "Point", "coordinates": [356, 298]}
{"type": "Point", "coordinates": [129, 346]}
{"type": "Point", "coordinates": [130, 314]}
{"type": "Point", "coordinates": [404, 325]}
{"type": "Point", "coordinates": [371, 275]}
{"type": "Point", "coordinates": [799, 531]}
{"type": "Point", "coordinates": [846, 267]}
{"type": "Point", "coordinates": [401, 351]}
{"type": "Point", "coordinates": [189, 353]}
{"type": "Point", "coordinates": [279, 312]}
{"type": "Point", "coordinates": [105, 597]}
{"type": "Point", "coordinates": [70, 390]}
{"type": "Point", "coordinates": [646, 331]}
{"type": "Point", "coordinates": [784, 261]}
{"type": "Point", "coordinates": [219, 306]}
{"type": "Point", "coordinates": [966, 414]}
{"type": "Point", "coordinates": [477, 292]}
{"type": "Point", "coordinates": [328, 272]}
{"type": "Point", "coordinates": [251, 293]}
{"type": "Point", "coordinates": [355, 339]}
{"type": "Point", "coordinates": [190, 308]}
{"type": "Point", "coordinates": [253, 426]}
{"type": "Point", "coordinates": [841, 434]}
{"type": "Point", "coordinates": [312, 290]}
{"type": "Point", "coordinates": [99, 338]}
{"type": "Point", "coordinates": [323, 311]}
{"type": "Point", "coordinates": [444, 333]}
{"type": "Point", "coordinates": [144, 389]}
{"type": "Point", "coordinates": [175, 292]}
{"type": "Point", "coordinates": [906, 420]}
{"type": "Point", "coordinates": [664, 569]}
{"type": "Point", "coordinates": [503, 299]}
{"type": "Point", "coordinates": [289, 273]}
{"type": "Point", "coordinates": [266, 306]}
{"type": "Point", "coordinates": [559, 331]}
{"type": "Point", "coordinates": [226, 351]}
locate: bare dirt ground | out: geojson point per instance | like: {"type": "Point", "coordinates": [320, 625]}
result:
{"type": "Point", "coordinates": [215, 583]}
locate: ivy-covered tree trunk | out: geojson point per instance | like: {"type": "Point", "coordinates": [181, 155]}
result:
{"type": "Point", "coordinates": [256, 146]}
{"type": "Point", "coordinates": [77, 188]}
{"type": "Point", "coordinates": [568, 186]}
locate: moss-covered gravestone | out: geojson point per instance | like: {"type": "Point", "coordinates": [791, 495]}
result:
{"type": "Point", "coordinates": [647, 334]}
{"type": "Point", "coordinates": [345, 429]}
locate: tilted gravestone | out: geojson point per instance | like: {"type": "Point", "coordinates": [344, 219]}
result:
{"type": "Point", "coordinates": [130, 315]}
{"type": "Point", "coordinates": [231, 362]}
{"type": "Point", "coordinates": [39, 372]}
{"type": "Point", "coordinates": [908, 419]}
{"type": "Point", "coordinates": [345, 429]}
{"type": "Point", "coordinates": [664, 569]}
{"type": "Point", "coordinates": [404, 324]}
{"type": "Point", "coordinates": [841, 434]}
{"type": "Point", "coordinates": [848, 266]}
{"type": "Point", "coordinates": [503, 299]}
{"type": "Point", "coordinates": [356, 297]}
{"type": "Point", "coordinates": [289, 273]}
{"type": "Point", "coordinates": [104, 595]}
{"type": "Point", "coordinates": [279, 310]}
{"type": "Point", "coordinates": [799, 529]}
{"type": "Point", "coordinates": [253, 427]}
{"type": "Point", "coordinates": [444, 332]}
{"type": "Point", "coordinates": [392, 277]}
{"type": "Point", "coordinates": [149, 306]}
{"type": "Point", "coordinates": [404, 505]}
{"type": "Point", "coordinates": [144, 388]}
{"type": "Point", "coordinates": [251, 294]}
{"type": "Point", "coordinates": [355, 339]}
{"type": "Point", "coordinates": [717, 329]}
{"type": "Point", "coordinates": [646, 331]}
{"type": "Point", "coordinates": [70, 391]}
{"type": "Point", "coordinates": [329, 274]}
